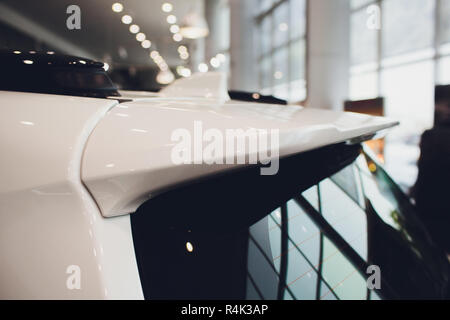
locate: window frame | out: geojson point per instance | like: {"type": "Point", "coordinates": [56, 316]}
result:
{"type": "Point", "coordinates": [379, 65]}
{"type": "Point", "coordinates": [270, 54]}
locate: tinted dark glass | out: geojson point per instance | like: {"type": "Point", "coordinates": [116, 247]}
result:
{"type": "Point", "coordinates": [54, 74]}
{"type": "Point", "coordinates": [317, 245]}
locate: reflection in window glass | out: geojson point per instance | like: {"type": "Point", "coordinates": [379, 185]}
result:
{"type": "Point", "coordinates": [346, 180]}
{"type": "Point", "coordinates": [302, 253]}
{"type": "Point", "coordinates": [382, 206]}
{"type": "Point", "coordinates": [252, 292]}
{"type": "Point", "coordinates": [304, 237]}
{"type": "Point", "coordinates": [343, 278]}
{"type": "Point", "coordinates": [312, 265]}
{"type": "Point", "coordinates": [326, 292]}
{"type": "Point", "coordinates": [312, 196]}
{"type": "Point", "coordinates": [374, 296]}
{"type": "Point", "coordinates": [259, 264]}
{"type": "Point", "coordinates": [275, 239]}
{"type": "Point", "coordinates": [301, 279]}
{"type": "Point", "coordinates": [304, 234]}
{"type": "Point", "coordinates": [345, 216]}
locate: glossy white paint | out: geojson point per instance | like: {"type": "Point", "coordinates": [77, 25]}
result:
{"type": "Point", "coordinates": [48, 220]}
{"type": "Point", "coordinates": [211, 85]}
{"type": "Point", "coordinates": [128, 157]}
{"type": "Point", "coordinates": [136, 95]}
{"type": "Point", "coordinates": [56, 148]}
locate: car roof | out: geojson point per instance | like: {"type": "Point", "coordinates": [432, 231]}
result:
{"type": "Point", "coordinates": [121, 175]}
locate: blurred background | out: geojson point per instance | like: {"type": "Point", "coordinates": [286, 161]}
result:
{"type": "Point", "coordinates": [384, 57]}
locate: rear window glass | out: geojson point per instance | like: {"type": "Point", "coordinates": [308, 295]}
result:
{"type": "Point", "coordinates": [317, 245]}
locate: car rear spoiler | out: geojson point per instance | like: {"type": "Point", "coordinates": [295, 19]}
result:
{"type": "Point", "coordinates": [129, 156]}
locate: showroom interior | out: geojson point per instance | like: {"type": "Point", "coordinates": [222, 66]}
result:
{"type": "Point", "coordinates": [386, 58]}
{"type": "Point", "coordinates": [317, 54]}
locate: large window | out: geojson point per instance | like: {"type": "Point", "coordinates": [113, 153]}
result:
{"type": "Point", "coordinates": [400, 50]}
{"type": "Point", "coordinates": [281, 29]}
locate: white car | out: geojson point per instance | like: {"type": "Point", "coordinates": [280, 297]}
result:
{"type": "Point", "coordinates": [110, 196]}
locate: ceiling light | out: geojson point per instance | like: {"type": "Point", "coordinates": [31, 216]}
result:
{"type": "Point", "coordinates": [167, 7]}
{"type": "Point", "coordinates": [28, 61]}
{"type": "Point", "coordinates": [171, 19]}
{"type": "Point", "coordinates": [221, 57]}
{"type": "Point", "coordinates": [186, 72]}
{"type": "Point", "coordinates": [17, 52]}
{"type": "Point", "coordinates": [182, 49]}
{"type": "Point", "coordinates": [283, 27]}
{"type": "Point", "coordinates": [203, 67]}
{"type": "Point", "coordinates": [154, 54]}
{"type": "Point", "coordinates": [146, 44]}
{"type": "Point", "coordinates": [215, 63]}
{"type": "Point", "coordinates": [184, 55]}
{"type": "Point", "coordinates": [194, 26]}
{"type": "Point", "coordinates": [134, 28]}
{"type": "Point", "coordinates": [174, 28]}
{"type": "Point", "coordinates": [163, 66]}
{"type": "Point", "coordinates": [177, 37]}
{"type": "Point", "coordinates": [105, 66]}
{"type": "Point", "coordinates": [165, 77]}
{"type": "Point", "coordinates": [140, 37]}
{"type": "Point", "coordinates": [126, 19]}
{"type": "Point", "coordinates": [117, 7]}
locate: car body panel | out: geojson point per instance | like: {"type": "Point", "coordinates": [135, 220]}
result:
{"type": "Point", "coordinates": [48, 220]}
{"type": "Point", "coordinates": [70, 165]}
{"type": "Point", "coordinates": [128, 157]}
